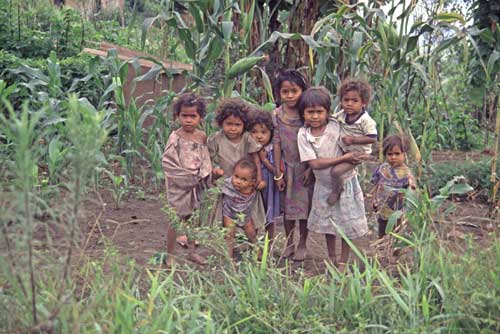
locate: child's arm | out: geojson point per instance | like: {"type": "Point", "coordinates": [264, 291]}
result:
{"type": "Point", "coordinates": [359, 140]}
{"type": "Point", "coordinates": [265, 161]}
{"type": "Point", "coordinates": [374, 193]}
{"type": "Point", "coordinates": [212, 150]}
{"type": "Point", "coordinates": [261, 184]}
{"type": "Point", "coordinates": [278, 174]}
{"type": "Point", "coordinates": [308, 176]}
{"type": "Point", "coordinates": [322, 163]}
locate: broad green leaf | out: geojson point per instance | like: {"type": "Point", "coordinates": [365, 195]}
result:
{"type": "Point", "coordinates": [495, 55]}
{"type": "Point", "coordinates": [227, 30]}
{"type": "Point", "coordinates": [450, 17]}
{"type": "Point", "coordinates": [198, 18]}
{"type": "Point", "coordinates": [152, 74]}
{"type": "Point", "coordinates": [267, 85]}
{"type": "Point", "coordinates": [460, 189]}
{"type": "Point", "coordinates": [411, 43]}
{"type": "Point", "coordinates": [146, 24]}
{"type": "Point", "coordinates": [393, 219]}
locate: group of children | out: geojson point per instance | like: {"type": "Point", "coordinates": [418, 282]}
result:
{"type": "Point", "coordinates": [297, 162]}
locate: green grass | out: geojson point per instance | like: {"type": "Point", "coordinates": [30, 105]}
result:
{"type": "Point", "coordinates": [448, 293]}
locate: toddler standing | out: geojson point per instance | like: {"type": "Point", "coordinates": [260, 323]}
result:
{"type": "Point", "coordinates": [389, 178]}
{"type": "Point", "coordinates": [262, 129]}
{"type": "Point", "coordinates": [187, 166]}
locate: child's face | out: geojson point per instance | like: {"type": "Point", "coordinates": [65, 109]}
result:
{"type": "Point", "coordinates": [189, 118]}
{"type": "Point", "coordinates": [316, 116]}
{"type": "Point", "coordinates": [243, 180]}
{"type": "Point", "coordinates": [395, 156]}
{"type": "Point", "coordinates": [261, 133]}
{"type": "Point", "coordinates": [233, 127]}
{"type": "Point", "coordinates": [290, 93]}
{"type": "Point", "coordinates": [352, 103]}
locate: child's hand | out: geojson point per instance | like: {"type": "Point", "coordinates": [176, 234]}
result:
{"type": "Point", "coordinates": [348, 140]}
{"type": "Point", "coordinates": [354, 158]}
{"type": "Point", "coordinates": [218, 172]}
{"type": "Point", "coordinates": [308, 177]}
{"type": "Point", "coordinates": [280, 184]}
{"type": "Point", "coordinates": [261, 185]}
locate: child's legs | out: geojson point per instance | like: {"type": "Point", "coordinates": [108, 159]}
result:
{"type": "Point", "coordinates": [231, 229]}
{"type": "Point", "coordinates": [250, 231]}
{"type": "Point", "coordinates": [344, 253]}
{"type": "Point", "coordinates": [330, 246]}
{"type": "Point", "coordinates": [337, 172]}
{"type": "Point", "coordinates": [300, 254]}
{"type": "Point", "coordinates": [270, 231]}
{"type": "Point", "coordinates": [289, 228]}
{"type": "Point", "coordinates": [382, 225]}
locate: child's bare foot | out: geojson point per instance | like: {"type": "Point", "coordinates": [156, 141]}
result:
{"type": "Point", "coordinates": [333, 198]}
{"type": "Point", "coordinates": [196, 258]}
{"type": "Point", "coordinates": [182, 240]}
{"type": "Point", "coordinates": [289, 251]}
{"type": "Point", "coordinates": [300, 254]}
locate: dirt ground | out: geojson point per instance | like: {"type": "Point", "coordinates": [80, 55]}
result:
{"type": "Point", "coordinates": [138, 228]}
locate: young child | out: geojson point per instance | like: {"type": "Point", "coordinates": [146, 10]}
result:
{"type": "Point", "coordinates": [261, 129]}
{"type": "Point", "coordinates": [186, 162]}
{"type": "Point", "coordinates": [318, 147]}
{"type": "Point", "coordinates": [358, 129]}
{"type": "Point", "coordinates": [238, 195]}
{"type": "Point", "coordinates": [232, 143]}
{"type": "Point", "coordinates": [389, 178]}
{"type": "Point", "coordinates": [296, 180]}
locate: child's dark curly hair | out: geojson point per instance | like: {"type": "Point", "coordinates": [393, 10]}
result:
{"type": "Point", "coordinates": [232, 107]}
{"type": "Point", "coordinates": [190, 100]}
{"type": "Point", "coordinates": [317, 96]}
{"type": "Point", "coordinates": [259, 116]}
{"type": "Point", "coordinates": [394, 140]}
{"type": "Point", "coordinates": [358, 85]}
{"type": "Point", "coordinates": [247, 163]}
{"type": "Point", "coordinates": [289, 75]}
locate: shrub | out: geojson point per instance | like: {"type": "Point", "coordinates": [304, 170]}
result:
{"type": "Point", "coordinates": [477, 174]}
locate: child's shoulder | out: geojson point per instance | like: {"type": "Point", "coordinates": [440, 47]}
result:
{"type": "Point", "coordinates": [173, 138]}
{"type": "Point", "coordinates": [200, 136]}
{"type": "Point", "coordinates": [216, 136]}
{"type": "Point", "coordinates": [365, 117]}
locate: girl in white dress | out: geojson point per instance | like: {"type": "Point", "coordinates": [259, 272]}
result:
{"type": "Point", "coordinates": [318, 147]}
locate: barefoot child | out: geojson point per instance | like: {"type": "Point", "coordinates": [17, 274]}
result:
{"type": "Point", "coordinates": [187, 166]}
{"type": "Point", "coordinates": [261, 129]}
{"type": "Point", "coordinates": [358, 129]}
{"type": "Point", "coordinates": [295, 181]}
{"type": "Point", "coordinates": [318, 147]}
{"type": "Point", "coordinates": [230, 144]}
{"type": "Point", "coordinates": [389, 178]}
{"type": "Point", "coordinates": [238, 194]}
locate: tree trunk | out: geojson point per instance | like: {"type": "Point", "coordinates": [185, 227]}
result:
{"type": "Point", "coordinates": [301, 19]}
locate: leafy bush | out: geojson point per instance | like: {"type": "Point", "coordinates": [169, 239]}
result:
{"type": "Point", "coordinates": [477, 174]}
{"type": "Point", "coordinates": [81, 72]}
{"type": "Point", "coordinates": [33, 30]}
